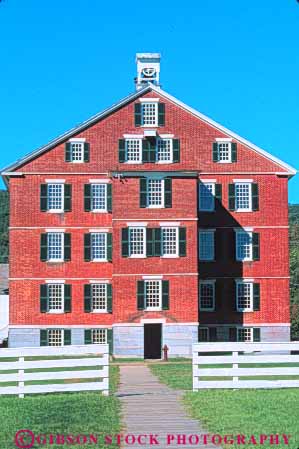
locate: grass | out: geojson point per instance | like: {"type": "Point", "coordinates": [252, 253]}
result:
{"type": "Point", "coordinates": [64, 413]}
{"type": "Point", "coordinates": [237, 411]}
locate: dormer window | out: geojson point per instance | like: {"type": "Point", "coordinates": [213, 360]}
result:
{"type": "Point", "coordinates": [224, 151]}
{"type": "Point", "coordinates": [77, 151]}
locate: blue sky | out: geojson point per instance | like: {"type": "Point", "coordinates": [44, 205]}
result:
{"type": "Point", "coordinates": [236, 61]}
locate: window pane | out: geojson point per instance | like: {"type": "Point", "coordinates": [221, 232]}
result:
{"type": "Point", "coordinates": [244, 246]}
{"type": "Point", "coordinates": [206, 245]}
{"type": "Point", "coordinates": [149, 113]}
{"type": "Point", "coordinates": [203, 334]}
{"type": "Point", "coordinates": [137, 241]}
{"type": "Point", "coordinates": [244, 295]}
{"type": "Point", "coordinates": [98, 246]}
{"type": "Point", "coordinates": [153, 294]}
{"type": "Point", "coordinates": [77, 150]}
{"type": "Point", "coordinates": [133, 147]}
{"type": "Point", "coordinates": [55, 196]}
{"type": "Point", "coordinates": [224, 150]}
{"type": "Point", "coordinates": [243, 196]}
{"type": "Point", "coordinates": [55, 297]}
{"type": "Point", "coordinates": [206, 196]}
{"type": "Point", "coordinates": [99, 336]}
{"type": "Point", "coordinates": [169, 241]}
{"type": "Point", "coordinates": [55, 246]}
{"type": "Point", "coordinates": [207, 295]}
{"type": "Point", "coordinates": [98, 195]}
{"type": "Point", "coordinates": [164, 152]}
{"type": "Point", "coordinates": [55, 337]}
{"type": "Point", "coordinates": [99, 296]}
{"type": "Point", "coordinates": [154, 192]}
{"type": "Point", "coordinates": [245, 334]}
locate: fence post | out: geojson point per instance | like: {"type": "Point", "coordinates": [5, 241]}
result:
{"type": "Point", "coordinates": [105, 360]}
{"type": "Point", "coordinates": [21, 377]}
{"type": "Point", "coordinates": [194, 369]}
{"type": "Point", "coordinates": [235, 365]}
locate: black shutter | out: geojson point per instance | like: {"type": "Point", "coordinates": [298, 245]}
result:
{"type": "Point", "coordinates": [44, 197]}
{"type": "Point", "coordinates": [67, 337]}
{"type": "Point", "coordinates": [43, 337]}
{"type": "Point", "coordinates": [218, 244]}
{"type": "Point", "coordinates": [157, 242]}
{"type": "Point", "coordinates": [255, 196]}
{"type": "Point", "coordinates": [86, 151]}
{"type": "Point", "coordinates": [161, 114]}
{"type": "Point", "coordinates": [87, 337]}
{"type": "Point", "coordinates": [176, 150]}
{"type": "Point", "coordinates": [218, 194]}
{"type": "Point", "coordinates": [143, 192]}
{"type": "Point", "coordinates": [87, 247]}
{"type": "Point", "coordinates": [218, 286]}
{"type": "Point", "coordinates": [231, 196]}
{"type": "Point", "coordinates": [255, 246]}
{"type": "Point", "coordinates": [182, 242]}
{"type": "Point", "coordinates": [67, 247]}
{"type": "Point", "coordinates": [145, 150]}
{"type": "Point", "coordinates": [153, 149]}
{"type": "Point", "coordinates": [215, 152]}
{"type": "Point", "coordinates": [137, 109]}
{"type": "Point", "coordinates": [140, 295]}
{"type": "Point", "coordinates": [87, 298]}
{"type": "Point", "coordinates": [232, 334]}
{"type": "Point", "coordinates": [256, 334]}
{"type": "Point", "coordinates": [87, 197]}
{"type": "Point", "coordinates": [150, 250]}
{"type": "Point", "coordinates": [167, 192]}
{"type": "Point", "coordinates": [256, 297]}
{"type": "Point", "coordinates": [44, 298]}
{"type": "Point", "coordinates": [67, 298]}
{"type": "Point", "coordinates": [234, 295]}
{"type": "Point", "coordinates": [213, 333]}
{"type": "Point", "coordinates": [67, 197]}
{"type": "Point", "coordinates": [109, 197]}
{"type": "Point", "coordinates": [44, 247]}
{"type": "Point", "coordinates": [234, 152]}
{"type": "Point", "coordinates": [68, 152]}
{"type": "Point", "coordinates": [109, 247]}
{"type": "Point", "coordinates": [165, 295]}
{"type": "Point", "coordinates": [125, 242]}
{"type": "Point", "coordinates": [109, 298]}
{"type": "Point", "coordinates": [122, 150]}
{"type": "Point", "coordinates": [110, 340]}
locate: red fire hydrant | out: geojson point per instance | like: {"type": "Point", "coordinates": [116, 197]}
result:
{"type": "Point", "coordinates": [165, 352]}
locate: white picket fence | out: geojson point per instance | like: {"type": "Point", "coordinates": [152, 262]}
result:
{"type": "Point", "coordinates": [95, 357]}
{"type": "Point", "coordinates": [232, 355]}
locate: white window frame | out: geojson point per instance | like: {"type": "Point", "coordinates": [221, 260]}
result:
{"type": "Point", "coordinates": [170, 256]}
{"type": "Point", "coordinates": [155, 206]}
{"type": "Point", "coordinates": [62, 337]}
{"type": "Point", "coordinates": [62, 197]}
{"type": "Point", "coordinates": [56, 311]}
{"type": "Point", "coordinates": [247, 209]}
{"type": "Point", "coordinates": [106, 298]}
{"type": "Point", "coordinates": [157, 308]}
{"type": "Point", "coordinates": [77, 142]}
{"type": "Point", "coordinates": [240, 309]}
{"type": "Point", "coordinates": [251, 334]}
{"type": "Point", "coordinates": [213, 184]}
{"type": "Point", "coordinates": [208, 333]}
{"type": "Point", "coordinates": [97, 184]}
{"type": "Point", "coordinates": [227, 142]}
{"type": "Point", "coordinates": [155, 103]}
{"type": "Point", "coordinates": [245, 259]}
{"type": "Point", "coordinates": [140, 150]}
{"type": "Point", "coordinates": [206, 231]}
{"type": "Point", "coordinates": [170, 161]}
{"type": "Point", "coordinates": [62, 247]}
{"type": "Point", "coordinates": [207, 309]}
{"type": "Point", "coordinates": [105, 259]}
{"type": "Point", "coordinates": [138, 256]}
{"type": "Point", "coordinates": [96, 330]}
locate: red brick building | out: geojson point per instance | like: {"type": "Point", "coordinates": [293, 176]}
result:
{"type": "Point", "coordinates": [148, 224]}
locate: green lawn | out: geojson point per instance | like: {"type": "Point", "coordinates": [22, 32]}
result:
{"type": "Point", "coordinates": [237, 411]}
{"type": "Point", "coordinates": [66, 413]}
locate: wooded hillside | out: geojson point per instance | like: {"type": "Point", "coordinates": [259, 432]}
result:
{"type": "Point", "coordinates": [294, 253]}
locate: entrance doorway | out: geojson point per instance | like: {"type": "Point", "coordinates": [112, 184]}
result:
{"type": "Point", "coordinates": [152, 341]}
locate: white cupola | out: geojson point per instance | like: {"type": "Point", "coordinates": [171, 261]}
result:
{"type": "Point", "coordinates": [148, 69]}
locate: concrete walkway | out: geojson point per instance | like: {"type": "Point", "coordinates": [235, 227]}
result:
{"type": "Point", "coordinates": [150, 407]}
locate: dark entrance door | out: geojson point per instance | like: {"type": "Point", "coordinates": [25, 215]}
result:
{"type": "Point", "coordinates": [152, 341]}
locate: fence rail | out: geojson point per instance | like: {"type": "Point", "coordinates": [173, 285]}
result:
{"type": "Point", "coordinates": [86, 369]}
{"type": "Point", "coordinates": [239, 365]}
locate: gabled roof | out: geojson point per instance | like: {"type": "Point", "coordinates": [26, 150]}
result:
{"type": "Point", "coordinates": [149, 87]}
